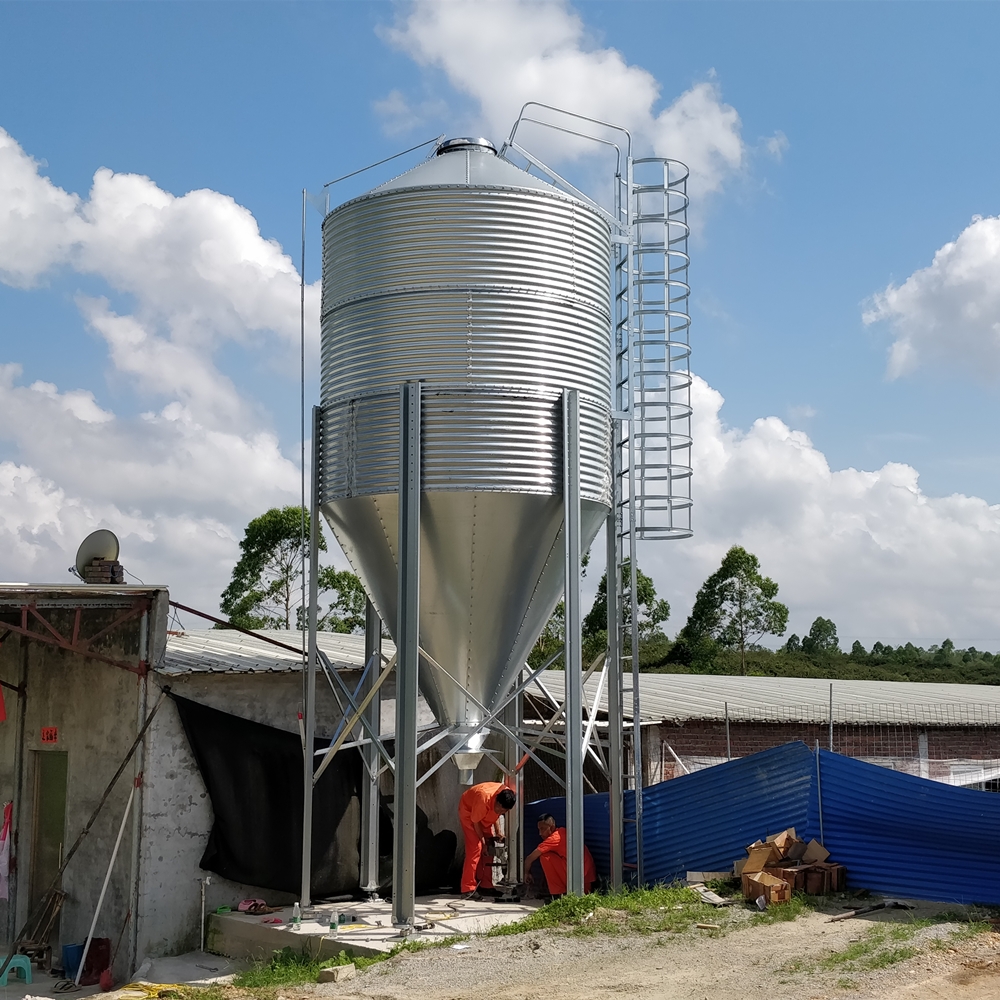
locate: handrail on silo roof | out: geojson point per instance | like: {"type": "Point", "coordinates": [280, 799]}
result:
{"type": "Point", "coordinates": [569, 114]}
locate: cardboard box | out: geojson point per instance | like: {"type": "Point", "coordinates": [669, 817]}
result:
{"type": "Point", "coordinates": [783, 840]}
{"type": "Point", "coordinates": [793, 874]}
{"type": "Point", "coordinates": [796, 850]}
{"type": "Point", "coordinates": [817, 881]}
{"type": "Point", "coordinates": [774, 890]}
{"type": "Point", "coordinates": [760, 857]}
{"type": "Point", "coordinates": [814, 852]}
{"type": "Point", "coordinates": [836, 875]}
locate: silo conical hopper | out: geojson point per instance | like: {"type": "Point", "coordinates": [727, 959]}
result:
{"type": "Point", "coordinates": [492, 288]}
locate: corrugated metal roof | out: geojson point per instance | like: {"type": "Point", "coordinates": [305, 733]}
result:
{"type": "Point", "coordinates": [684, 697]}
{"type": "Point", "coordinates": [908, 836]}
{"type": "Point", "coordinates": [663, 697]}
{"type": "Point", "coordinates": [226, 651]}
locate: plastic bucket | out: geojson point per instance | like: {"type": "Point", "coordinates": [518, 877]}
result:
{"type": "Point", "coordinates": [71, 955]}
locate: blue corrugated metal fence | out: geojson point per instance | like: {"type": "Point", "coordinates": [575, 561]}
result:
{"type": "Point", "coordinates": [895, 833]}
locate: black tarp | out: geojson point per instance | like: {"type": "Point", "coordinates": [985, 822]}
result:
{"type": "Point", "coordinates": [253, 774]}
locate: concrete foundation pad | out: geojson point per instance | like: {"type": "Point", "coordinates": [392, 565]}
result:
{"type": "Point", "coordinates": [196, 968]}
{"type": "Point", "coordinates": [241, 936]}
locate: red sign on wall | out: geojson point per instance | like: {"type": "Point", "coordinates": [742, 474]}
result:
{"type": "Point", "coordinates": [50, 734]}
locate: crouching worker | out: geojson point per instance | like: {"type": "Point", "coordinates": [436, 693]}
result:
{"type": "Point", "coordinates": [551, 852]}
{"type": "Point", "coordinates": [479, 809]}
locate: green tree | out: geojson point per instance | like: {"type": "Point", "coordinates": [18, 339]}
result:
{"type": "Point", "coordinates": [264, 589]}
{"type": "Point", "coordinates": [551, 640]}
{"type": "Point", "coordinates": [822, 637]}
{"type": "Point", "coordinates": [594, 628]}
{"type": "Point", "coordinates": [858, 652]}
{"type": "Point", "coordinates": [347, 609]}
{"type": "Point", "coordinates": [652, 612]}
{"type": "Point", "coordinates": [794, 644]}
{"type": "Point", "coordinates": [735, 607]}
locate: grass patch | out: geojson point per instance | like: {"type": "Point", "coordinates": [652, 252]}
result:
{"type": "Point", "coordinates": [880, 947]}
{"type": "Point", "coordinates": [285, 968]}
{"type": "Point", "coordinates": [778, 913]}
{"type": "Point", "coordinates": [971, 929]}
{"type": "Point", "coordinates": [661, 908]}
{"type": "Point", "coordinates": [291, 968]}
{"type": "Point", "coordinates": [627, 911]}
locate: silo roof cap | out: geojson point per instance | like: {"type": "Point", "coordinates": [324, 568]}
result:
{"type": "Point", "coordinates": [480, 167]}
{"type": "Point", "coordinates": [480, 145]}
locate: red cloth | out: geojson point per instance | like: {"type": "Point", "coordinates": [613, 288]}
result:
{"type": "Point", "coordinates": [552, 856]}
{"type": "Point", "coordinates": [478, 805]}
{"type": "Point", "coordinates": [3, 708]}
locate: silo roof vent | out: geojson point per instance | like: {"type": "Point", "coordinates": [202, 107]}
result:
{"type": "Point", "coordinates": [479, 145]}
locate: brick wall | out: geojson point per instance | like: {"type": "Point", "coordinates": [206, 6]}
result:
{"type": "Point", "coordinates": [697, 742]}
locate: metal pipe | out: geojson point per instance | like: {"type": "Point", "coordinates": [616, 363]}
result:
{"type": "Point", "coordinates": [107, 879]}
{"type": "Point", "coordinates": [369, 782]}
{"type": "Point", "coordinates": [140, 766]}
{"type": "Point", "coordinates": [680, 763]}
{"type": "Point", "coordinates": [592, 712]}
{"type": "Point", "coordinates": [334, 747]}
{"type": "Point", "coordinates": [831, 718]}
{"type": "Point", "coordinates": [205, 882]}
{"type": "Point", "coordinates": [616, 756]}
{"type": "Point", "coordinates": [729, 745]}
{"type": "Point", "coordinates": [490, 718]}
{"type": "Point", "coordinates": [309, 707]}
{"type": "Point", "coordinates": [574, 658]}
{"type": "Point", "coordinates": [336, 681]}
{"type": "Point", "coordinates": [407, 659]}
{"type": "Point", "coordinates": [514, 820]}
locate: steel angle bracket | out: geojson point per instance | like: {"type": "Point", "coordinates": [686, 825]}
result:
{"type": "Point", "coordinates": [75, 642]}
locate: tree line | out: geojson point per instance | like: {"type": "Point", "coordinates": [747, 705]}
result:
{"type": "Point", "coordinates": [735, 609]}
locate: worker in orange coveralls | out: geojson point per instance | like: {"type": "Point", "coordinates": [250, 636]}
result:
{"type": "Point", "coordinates": [479, 809]}
{"type": "Point", "coordinates": [551, 852]}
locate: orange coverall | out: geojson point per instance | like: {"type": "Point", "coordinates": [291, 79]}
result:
{"type": "Point", "coordinates": [478, 805]}
{"type": "Point", "coordinates": [552, 857]}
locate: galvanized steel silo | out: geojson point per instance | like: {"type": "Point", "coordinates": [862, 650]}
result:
{"type": "Point", "coordinates": [492, 288]}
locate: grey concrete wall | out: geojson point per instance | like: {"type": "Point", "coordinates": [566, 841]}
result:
{"type": "Point", "coordinates": [95, 707]}
{"type": "Point", "coordinates": [178, 813]}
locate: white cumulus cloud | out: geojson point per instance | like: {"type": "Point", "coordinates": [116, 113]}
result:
{"type": "Point", "coordinates": [508, 52]}
{"type": "Point", "coordinates": [179, 481]}
{"type": "Point", "coordinates": [948, 313]}
{"type": "Point", "coordinates": [868, 549]}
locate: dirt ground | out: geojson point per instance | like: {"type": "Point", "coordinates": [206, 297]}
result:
{"type": "Point", "coordinates": [776, 961]}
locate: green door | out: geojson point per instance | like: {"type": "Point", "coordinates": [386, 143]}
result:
{"type": "Point", "coordinates": [48, 831]}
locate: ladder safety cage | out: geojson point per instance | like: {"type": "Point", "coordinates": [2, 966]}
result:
{"type": "Point", "coordinates": [655, 322]}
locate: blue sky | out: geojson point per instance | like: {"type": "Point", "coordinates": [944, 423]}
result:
{"type": "Point", "coordinates": [891, 150]}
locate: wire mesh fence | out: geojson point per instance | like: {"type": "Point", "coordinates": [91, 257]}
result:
{"type": "Point", "coordinates": [958, 744]}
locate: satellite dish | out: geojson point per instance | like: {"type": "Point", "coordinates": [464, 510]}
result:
{"type": "Point", "coordinates": [100, 544]}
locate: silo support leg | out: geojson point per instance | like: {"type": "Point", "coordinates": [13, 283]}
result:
{"type": "Point", "coordinates": [573, 651]}
{"type": "Point", "coordinates": [408, 661]}
{"type": "Point", "coordinates": [309, 692]}
{"type": "Point", "coordinates": [369, 780]}
{"type": "Point", "coordinates": [616, 756]}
